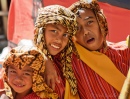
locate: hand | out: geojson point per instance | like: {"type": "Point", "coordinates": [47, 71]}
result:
{"type": "Point", "coordinates": [50, 75]}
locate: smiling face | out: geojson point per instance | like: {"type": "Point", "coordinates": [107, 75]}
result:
{"type": "Point", "coordinates": [88, 34]}
{"type": "Point", "coordinates": [56, 37]}
{"type": "Point", "coordinates": [20, 80]}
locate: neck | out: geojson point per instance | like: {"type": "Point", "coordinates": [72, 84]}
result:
{"type": "Point", "coordinates": [22, 95]}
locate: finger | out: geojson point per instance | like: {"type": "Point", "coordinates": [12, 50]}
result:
{"type": "Point", "coordinates": [57, 80]}
{"type": "Point", "coordinates": [53, 83]}
{"type": "Point", "coordinates": [48, 81]}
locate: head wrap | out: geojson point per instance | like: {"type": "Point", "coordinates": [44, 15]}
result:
{"type": "Point", "coordinates": [56, 14]}
{"type": "Point", "coordinates": [22, 56]}
{"type": "Point", "coordinates": [93, 4]}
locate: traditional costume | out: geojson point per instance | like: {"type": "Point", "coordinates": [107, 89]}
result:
{"type": "Point", "coordinates": [20, 57]}
{"type": "Point", "coordinates": [55, 14]}
{"type": "Point", "coordinates": [99, 74]}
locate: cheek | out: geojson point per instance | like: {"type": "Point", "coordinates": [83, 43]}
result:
{"type": "Point", "coordinates": [65, 42]}
{"type": "Point", "coordinates": [29, 81]}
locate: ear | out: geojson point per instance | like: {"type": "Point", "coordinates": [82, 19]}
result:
{"type": "Point", "coordinates": [74, 39]}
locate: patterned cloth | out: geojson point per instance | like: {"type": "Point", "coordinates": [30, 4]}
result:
{"type": "Point", "coordinates": [91, 83]}
{"type": "Point", "coordinates": [29, 56]}
{"type": "Point", "coordinates": [56, 14]}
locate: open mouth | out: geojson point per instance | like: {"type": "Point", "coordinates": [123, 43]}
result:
{"type": "Point", "coordinates": [90, 40]}
{"type": "Point", "coordinates": [55, 46]}
{"type": "Point", "coordinates": [19, 85]}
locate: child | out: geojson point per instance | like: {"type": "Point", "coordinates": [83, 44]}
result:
{"type": "Point", "coordinates": [101, 73]}
{"type": "Point", "coordinates": [55, 26]}
{"type": "Point", "coordinates": [24, 67]}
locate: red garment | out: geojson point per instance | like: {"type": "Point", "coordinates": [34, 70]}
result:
{"type": "Point", "coordinates": [91, 85]}
{"type": "Point", "coordinates": [60, 87]}
{"type": "Point", "coordinates": [32, 96]}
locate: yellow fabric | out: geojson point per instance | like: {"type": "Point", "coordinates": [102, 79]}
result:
{"type": "Point", "coordinates": [68, 94]}
{"type": "Point", "coordinates": [128, 41]}
{"type": "Point", "coordinates": [102, 65]}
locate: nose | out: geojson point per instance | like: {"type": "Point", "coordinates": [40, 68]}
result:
{"type": "Point", "coordinates": [59, 39]}
{"type": "Point", "coordinates": [86, 32]}
{"type": "Point", "coordinates": [18, 78]}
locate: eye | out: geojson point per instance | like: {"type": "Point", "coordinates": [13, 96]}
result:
{"type": "Point", "coordinates": [66, 35]}
{"type": "Point", "coordinates": [54, 31]}
{"type": "Point", "coordinates": [89, 22]}
{"type": "Point", "coordinates": [27, 74]}
{"type": "Point", "coordinates": [12, 71]}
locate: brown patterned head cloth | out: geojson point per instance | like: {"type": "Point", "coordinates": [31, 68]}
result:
{"type": "Point", "coordinates": [29, 56]}
{"type": "Point", "coordinates": [93, 4]}
{"type": "Point", "coordinates": [56, 14]}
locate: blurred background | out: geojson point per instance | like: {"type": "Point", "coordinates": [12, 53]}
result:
{"type": "Point", "coordinates": [4, 8]}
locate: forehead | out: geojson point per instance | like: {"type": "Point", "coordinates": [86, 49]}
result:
{"type": "Point", "coordinates": [57, 26]}
{"type": "Point", "coordinates": [85, 12]}
{"type": "Point", "coordinates": [25, 68]}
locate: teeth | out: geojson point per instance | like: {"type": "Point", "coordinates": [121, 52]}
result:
{"type": "Point", "coordinates": [55, 46]}
{"type": "Point", "coordinates": [19, 85]}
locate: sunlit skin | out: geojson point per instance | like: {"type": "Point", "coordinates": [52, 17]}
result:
{"type": "Point", "coordinates": [88, 34]}
{"type": "Point", "coordinates": [56, 37]}
{"type": "Point", "coordinates": [20, 80]}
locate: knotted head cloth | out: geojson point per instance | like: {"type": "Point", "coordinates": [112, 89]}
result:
{"type": "Point", "coordinates": [22, 56]}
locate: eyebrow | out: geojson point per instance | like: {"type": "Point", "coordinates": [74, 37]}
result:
{"type": "Point", "coordinates": [11, 67]}
{"type": "Point", "coordinates": [27, 70]}
{"type": "Point", "coordinates": [88, 17]}
{"type": "Point", "coordinates": [55, 26]}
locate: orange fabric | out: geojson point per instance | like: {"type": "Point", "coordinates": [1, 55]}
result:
{"type": "Point", "coordinates": [20, 24]}
{"type": "Point", "coordinates": [118, 22]}
{"type": "Point", "coordinates": [65, 3]}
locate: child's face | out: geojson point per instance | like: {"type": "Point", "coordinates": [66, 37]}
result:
{"type": "Point", "coordinates": [56, 37]}
{"type": "Point", "coordinates": [20, 80]}
{"type": "Point", "coordinates": [88, 35]}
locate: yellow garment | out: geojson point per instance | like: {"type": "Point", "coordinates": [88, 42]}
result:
{"type": "Point", "coordinates": [102, 65]}
{"type": "Point", "coordinates": [68, 94]}
{"type": "Point", "coordinates": [128, 41]}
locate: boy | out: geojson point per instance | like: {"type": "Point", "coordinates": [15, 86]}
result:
{"type": "Point", "coordinates": [23, 68]}
{"type": "Point", "coordinates": [55, 26]}
{"type": "Point", "coordinates": [103, 69]}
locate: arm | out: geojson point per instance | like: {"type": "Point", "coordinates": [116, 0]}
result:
{"type": "Point", "coordinates": [50, 74]}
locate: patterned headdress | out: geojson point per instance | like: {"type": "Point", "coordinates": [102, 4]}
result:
{"type": "Point", "coordinates": [93, 4]}
{"type": "Point", "coordinates": [29, 56]}
{"type": "Point", "coordinates": [56, 14]}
